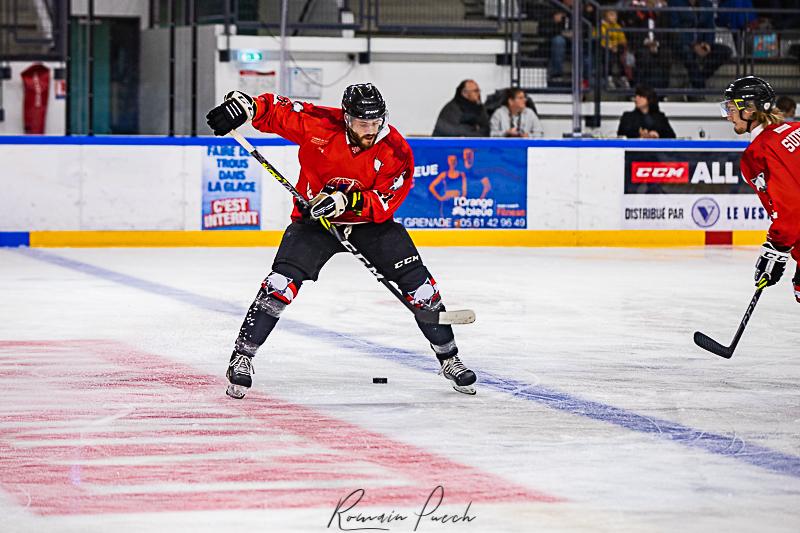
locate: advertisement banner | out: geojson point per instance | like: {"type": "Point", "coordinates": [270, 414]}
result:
{"type": "Point", "coordinates": [475, 187]}
{"type": "Point", "coordinates": [689, 189]}
{"type": "Point", "coordinates": [684, 172]}
{"type": "Point", "coordinates": [231, 189]}
{"type": "Point", "coordinates": [722, 212]}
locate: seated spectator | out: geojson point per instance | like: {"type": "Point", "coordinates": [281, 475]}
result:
{"type": "Point", "coordinates": [787, 106]}
{"type": "Point", "coordinates": [464, 115]}
{"type": "Point", "coordinates": [652, 56]}
{"type": "Point", "coordinates": [498, 98]}
{"type": "Point", "coordinates": [514, 118]}
{"type": "Point", "coordinates": [701, 55]}
{"type": "Point", "coordinates": [613, 40]}
{"type": "Point", "coordinates": [645, 121]}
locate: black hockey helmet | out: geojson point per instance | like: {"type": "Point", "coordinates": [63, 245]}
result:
{"type": "Point", "coordinates": [749, 90]}
{"type": "Point", "coordinates": [363, 101]}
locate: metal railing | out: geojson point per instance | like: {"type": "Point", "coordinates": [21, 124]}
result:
{"type": "Point", "coordinates": [326, 17]}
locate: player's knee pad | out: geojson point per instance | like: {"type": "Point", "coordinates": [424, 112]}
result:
{"type": "Point", "coordinates": [277, 291]}
{"type": "Point", "coordinates": [426, 296]}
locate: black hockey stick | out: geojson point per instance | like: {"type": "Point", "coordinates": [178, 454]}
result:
{"type": "Point", "coordinates": [464, 316]}
{"type": "Point", "coordinates": [707, 343]}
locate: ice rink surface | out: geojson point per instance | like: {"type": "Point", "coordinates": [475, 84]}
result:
{"type": "Point", "coordinates": [595, 411]}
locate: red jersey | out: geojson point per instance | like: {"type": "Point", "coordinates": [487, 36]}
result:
{"type": "Point", "coordinates": [771, 166]}
{"type": "Point", "coordinates": [384, 172]}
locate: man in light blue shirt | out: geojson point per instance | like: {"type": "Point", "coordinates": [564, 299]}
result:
{"type": "Point", "coordinates": [515, 119]}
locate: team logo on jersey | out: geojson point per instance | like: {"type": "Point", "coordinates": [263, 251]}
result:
{"type": "Point", "coordinates": [705, 212]}
{"type": "Point", "coordinates": [378, 164]}
{"type": "Point", "coordinates": [760, 182]}
{"type": "Point", "coordinates": [398, 182]}
{"type": "Point", "coordinates": [344, 185]}
{"type": "Point", "coordinates": [384, 199]}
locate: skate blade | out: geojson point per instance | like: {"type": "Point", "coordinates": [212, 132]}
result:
{"type": "Point", "coordinates": [468, 389]}
{"type": "Point", "coordinates": [236, 391]}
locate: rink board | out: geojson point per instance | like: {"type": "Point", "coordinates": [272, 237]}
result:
{"type": "Point", "coordinates": [152, 191]}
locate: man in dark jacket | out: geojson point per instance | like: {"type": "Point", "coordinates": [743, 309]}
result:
{"type": "Point", "coordinates": [646, 121]}
{"type": "Point", "coordinates": [464, 115]}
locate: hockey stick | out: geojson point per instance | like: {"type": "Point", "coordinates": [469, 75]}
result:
{"type": "Point", "coordinates": [463, 316]}
{"type": "Point", "coordinates": [707, 343]}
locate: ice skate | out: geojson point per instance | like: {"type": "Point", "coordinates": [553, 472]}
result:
{"type": "Point", "coordinates": [240, 371]}
{"type": "Point", "coordinates": [460, 376]}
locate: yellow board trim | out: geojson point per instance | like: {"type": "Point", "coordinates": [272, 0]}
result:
{"type": "Point", "coordinates": [533, 238]}
{"type": "Point", "coordinates": [97, 239]}
{"type": "Point", "coordinates": [475, 237]}
{"type": "Point", "coordinates": [749, 238]}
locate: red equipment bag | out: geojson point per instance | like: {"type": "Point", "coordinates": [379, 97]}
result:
{"type": "Point", "coordinates": [36, 82]}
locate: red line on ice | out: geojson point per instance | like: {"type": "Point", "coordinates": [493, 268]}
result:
{"type": "Point", "coordinates": [60, 447]}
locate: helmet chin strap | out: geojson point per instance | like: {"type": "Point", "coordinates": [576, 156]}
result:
{"type": "Point", "coordinates": [350, 135]}
{"type": "Point", "coordinates": [748, 120]}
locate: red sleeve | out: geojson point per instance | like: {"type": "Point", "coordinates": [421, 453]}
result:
{"type": "Point", "coordinates": [291, 120]}
{"type": "Point", "coordinates": [747, 166]}
{"type": "Point", "coordinates": [785, 202]}
{"type": "Point", "coordinates": [771, 179]}
{"type": "Point", "coordinates": [391, 185]}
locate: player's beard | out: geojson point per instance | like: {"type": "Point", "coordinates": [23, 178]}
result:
{"type": "Point", "coordinates": [363, 141]}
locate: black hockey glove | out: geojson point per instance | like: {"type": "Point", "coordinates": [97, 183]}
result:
{"type": "Point", "coordinates": [237, 109]}
{"type": "Point", "coordinates": [771, 263]}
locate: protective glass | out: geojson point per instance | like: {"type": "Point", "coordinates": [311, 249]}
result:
{"type": "Point", "coordinates": [728, 106]}
{"type": "Point", "coordinates": [364, 124]}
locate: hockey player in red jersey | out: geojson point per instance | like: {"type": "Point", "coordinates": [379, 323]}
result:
{"type": "Point", "coordinates": [771, 166]}
{"type": "Point", "coordinates": [356, 170]}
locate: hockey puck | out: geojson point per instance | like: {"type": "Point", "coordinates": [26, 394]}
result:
{"type": "Point", "coordinates": [380, 380]}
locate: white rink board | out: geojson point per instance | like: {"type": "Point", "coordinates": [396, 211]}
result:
{"type": "Point", "coordinates": [159, 187]}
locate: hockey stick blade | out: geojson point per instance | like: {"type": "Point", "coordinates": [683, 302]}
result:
{"type": "Point", "coordinates": [462, 316]}
{"type": "Point", "coordinates": [707, 343]}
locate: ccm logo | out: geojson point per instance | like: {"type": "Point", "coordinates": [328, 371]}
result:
{"type": "Point", "coordinates": [406, 261]}
{"type": "Point", "coordinates": [657, 172]}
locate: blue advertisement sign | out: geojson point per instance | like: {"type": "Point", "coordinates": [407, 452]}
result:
{"type": "Point", "coordinates": [467, 187]}
{"type": "Point", "coordinates": [231, 189]}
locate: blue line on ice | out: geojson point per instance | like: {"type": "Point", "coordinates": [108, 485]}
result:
{"type": "Point", "coordinates": [723, 445]}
